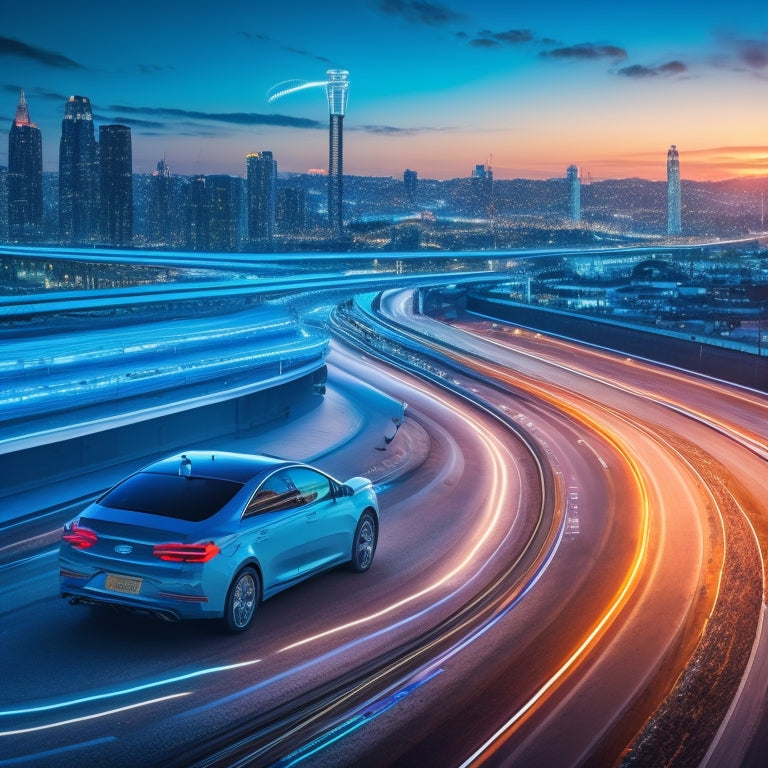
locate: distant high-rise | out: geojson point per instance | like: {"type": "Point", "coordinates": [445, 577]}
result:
{"type": "Point", "coordinates": [116, 189]}
{"type": "Point", "coordinates": [224, 195]}
{"type": "Point", "coordinates": [574, 191]}
{"type": "Point", "coordinates": [262, 195]}
{"type": "Point", "coordinates": [198, 216]}
{"type": "Point", "coordinates": [482, 190]}
{"type": "Point", "coordinates": [78, 174]}
{"type": "Point", "coordinates": [673, 192]}
{"type": "Point", "coordinates": [292, 210]}
{"type": "Point", "coordinates": [161, 229]}
{"type": "Point", "coordinates": [411, 181]}
{"type": "Point", "coordinates": [337, 91]}
{"type": "Point", "coordinates": [25, 177]}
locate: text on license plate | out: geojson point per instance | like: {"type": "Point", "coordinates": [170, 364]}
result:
{"type": "Point", "coordinates": [123, 584]}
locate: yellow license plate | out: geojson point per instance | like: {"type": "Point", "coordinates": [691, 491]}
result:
{"type": "Point", "coordinates": [123, 584]}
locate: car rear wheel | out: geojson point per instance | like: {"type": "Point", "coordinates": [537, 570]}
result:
{"type": "Point", "coordinates": [364, 543]}
{"type": "Point", "coordinates": [242, 599]}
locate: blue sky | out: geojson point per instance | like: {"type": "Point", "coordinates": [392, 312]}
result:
{"type": "Point", "coordinates": [434, 86]}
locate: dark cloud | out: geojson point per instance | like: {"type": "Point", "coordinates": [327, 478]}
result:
{"type": "Point", "coordinates": [288, 48]}
{"type": "Point", "coordinates": [36, 93]}
{"type": "Point", "coordinates": [484, 42]}
{"type": "Point", "coordinates": [387, 130]}
{"type": "Point", "coordinates": [419, 12]}
{"type": "Point", "coordinates": [236, 118]}
{"type": "Point", "coordinates": [308, 54]}
{"type": "Point", "coordinates": [586, 52]}
{"type": "Point", "coordinates": [742, 53]}
{"type": "Point", "coordinates": [50, 96]}
{"type": "Point", "coordinates": [673, 68]}
{"type": "Point", "coordinates": [639, 71]}
{"type": "Point", "coordinates": [513, 36]}
{"type": "Point", "coordinates": [486, 38]}
{"type": "Point", "coordinates": [11, 47]}
{"type": "Point", "coordinates": [135, 122]}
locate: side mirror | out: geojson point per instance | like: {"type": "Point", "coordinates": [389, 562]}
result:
{"type": "Point", "coordinates": [346, 490]}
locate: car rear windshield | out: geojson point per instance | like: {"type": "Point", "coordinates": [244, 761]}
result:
{"type": "Point", "coordinates": [183, 498]}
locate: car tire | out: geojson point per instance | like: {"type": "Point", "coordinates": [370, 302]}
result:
{"type": "Point", "coordinates": [242, 601]}
{"type": "Point", "coordinates": [364, 543]}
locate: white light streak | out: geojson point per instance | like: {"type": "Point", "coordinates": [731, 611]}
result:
{"type": "Point", "coordinates": [108, 712]}
{"type": "Point", "coordinates": [292, 86]}
{"type": "Point", "coordinates": [125, 691]}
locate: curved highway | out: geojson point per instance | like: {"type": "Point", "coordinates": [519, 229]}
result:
{"type": "Point", "coordinates": [575, 549]}
{"type": "Point", "coordinates": [122, 691]}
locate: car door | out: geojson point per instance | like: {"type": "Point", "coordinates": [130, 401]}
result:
{"type": "Point", "coordinates": [275, 529]}
{"type": "Point", "coordinates": [329, 522]}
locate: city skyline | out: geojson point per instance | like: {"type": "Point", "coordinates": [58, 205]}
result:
{"type": "Point", "coordinates": [434, 87]}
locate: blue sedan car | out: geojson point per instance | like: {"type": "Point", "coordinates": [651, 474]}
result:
{"type": "Point", "coordinates": [210, 535]}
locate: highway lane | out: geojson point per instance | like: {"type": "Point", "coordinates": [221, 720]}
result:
{"type": "Point", "coordinates": [559, 677]}
{"type": "Point", "coordinates": [88, 691]}
{"type": "Point", "coordinates": [552, 654]}
{"type": "Point", "coordinates": [719, 432]}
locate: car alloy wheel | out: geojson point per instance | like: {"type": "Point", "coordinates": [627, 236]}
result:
{"type": "Point", "coordinates": [242, 599]}
{"type": "Point", "coordinates": [364, 544]}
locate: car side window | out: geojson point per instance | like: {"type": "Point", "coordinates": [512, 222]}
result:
{"type": "Point", "coordinates": [313, 486]}
{"type": "Point", "coordinates": [278, 492]}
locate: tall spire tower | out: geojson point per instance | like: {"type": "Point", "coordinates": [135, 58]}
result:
{"type": "Point", "coordinates": [673, 192]}
{"type": "Point", "coordinates": [337, 90]}
{"type": "Point", "coordinates": [574, 190]}
{"type": "Point", "coordinates": [25, 177]}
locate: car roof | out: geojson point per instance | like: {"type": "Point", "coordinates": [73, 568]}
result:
{"type": "Point", "coordinates": [240, 467]}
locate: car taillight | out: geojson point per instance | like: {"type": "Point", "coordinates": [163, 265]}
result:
{"type": "Point", "coordinates": [78, 536]}
{"type": "Point", "coordinates": [186, 553]}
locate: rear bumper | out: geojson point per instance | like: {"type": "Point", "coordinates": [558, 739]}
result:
{"type": "Point", "coordinates": [164, 605]}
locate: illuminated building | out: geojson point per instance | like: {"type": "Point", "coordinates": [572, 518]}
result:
{"type": "Point", "coordinates": [673, 192]}
{"type": "Point", "coordinates": [262, 195]}
{"type": "Point", "coordinates": [337, 91]}
{"type": "Point", "coordinates": [197, 225]}
{"type": "Point", "coordinates": [410, 180]}
{"type": "Point", "coordinates": [224, 198]}
{"type": "Point", "coordinates": [78, 174]}
{"type": "Point", "coordinates": [292, 210]}
{"type": "Point", "coordinates": [25, 177]}
{"type": "Point", "coordinates": [574, 190]}
{"type": "Point", "coordinates": [161, 229]}
{"type": "Point", "coordinates": [116, 187]}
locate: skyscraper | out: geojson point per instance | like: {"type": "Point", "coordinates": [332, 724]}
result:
{"type": "Point", "coordinates": [292, 210]}
{"type": "Point", "coordinates": [116, 188]}
{"type": "Point", "coordinates": [224, 194]}
{"type": "Point", "coordinates": [411, 181]}
{"type": "Point", "coordinates": [161, 229]}
{"type": "Point", "coordinates": [262, 195]}
{"type": "Point", "coordinates": [198, 216]}
{"type": "Point", "coordinates": [574, 191]}
{"type": "Point", "coordinates": [673, 192]}
{"type": "Point", "coordinates": [481, 172]}
{"type": "Point", "coordinates": [78, 174]}
{"type": "Point", "coordinates": [25, 177]}
{"type": "Point", "coordinates": [337, 91]}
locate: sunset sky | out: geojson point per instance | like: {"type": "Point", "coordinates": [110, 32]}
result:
{"type": "Point", "coordinates": [437, 87]}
